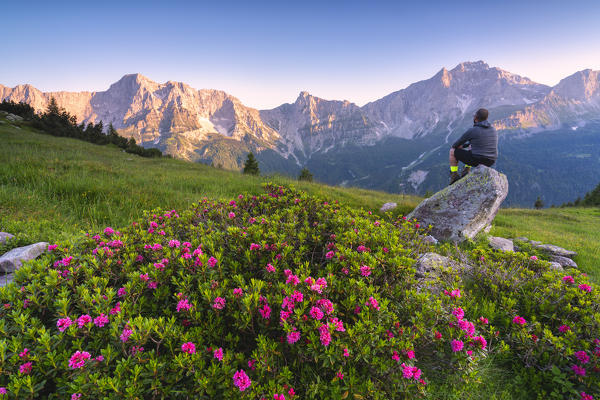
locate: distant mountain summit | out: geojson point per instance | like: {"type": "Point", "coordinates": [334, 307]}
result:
{"type": "Point", "coordinates": [391, 143]}
{"type": "Point", "coordinates": [574, 100]}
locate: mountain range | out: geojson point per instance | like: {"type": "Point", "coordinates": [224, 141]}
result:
{"type": "Point", "coordinates": [397, 143]}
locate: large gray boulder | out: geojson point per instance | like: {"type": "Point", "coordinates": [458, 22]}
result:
{"type": "Point", "coordinates": [564, 261]}
{"type": "Point", "coordinates": [13, 260]}
{"type": "Point", "coordinates": [4, 236]}
{"type": "Point", "coordinates": [554, 250]}
{"type": "Point", "coordinates": [462, 210]}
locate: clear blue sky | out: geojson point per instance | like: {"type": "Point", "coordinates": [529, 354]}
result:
{"type": "Point", "coordinates": [265, 53]}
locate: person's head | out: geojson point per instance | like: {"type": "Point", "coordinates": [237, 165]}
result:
{"type": "Point", "coordinates": [480, 115]}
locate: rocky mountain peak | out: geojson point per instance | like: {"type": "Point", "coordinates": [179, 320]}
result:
{"type": "Point", "coordinates": [582, 85]}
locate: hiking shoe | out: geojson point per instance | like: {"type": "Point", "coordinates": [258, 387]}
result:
{"type": "Point", "coordinates": [465, 171]}
{"type": "Point", "coordinates": [454, 176]}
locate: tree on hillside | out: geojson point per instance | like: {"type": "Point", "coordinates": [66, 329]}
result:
{"type": "Point", "coordinates": [538, 203]}
{"type": "Point", "coordinates": [305, 175]}
{"type": "Point", "coordinates": [251, 165]}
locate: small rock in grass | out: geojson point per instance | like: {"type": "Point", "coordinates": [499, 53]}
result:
{"type": "Point", "coordinates": [428, 262]}
{"type": "Point", "coordinates": [13, 259]}
{"type": "Point", "coordinates": [564, 261]}
{"type": "Point", "coordinates": [6, 279]}
{"type": "Point", "coordinates": [556, 266]}
{"type": "Point", "coordinates": [500, 243]}
{"type": "Point", "coordinates": [429, 239]}
{"type": "Point", "coordinates": [388, 207]}
{"type": "Point", "coordinates": [4, 236]}
{"type": "Point", "coordinates": [555, 250]}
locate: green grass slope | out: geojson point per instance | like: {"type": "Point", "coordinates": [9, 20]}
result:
{"type": "Point", "coordinates": [52, 188]}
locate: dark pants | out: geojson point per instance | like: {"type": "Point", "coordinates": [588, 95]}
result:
{"type": "Point", "coordinates": [470, 159]}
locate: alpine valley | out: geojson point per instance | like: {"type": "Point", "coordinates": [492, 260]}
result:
{"type": "Point", "coordinates": [549, 136]}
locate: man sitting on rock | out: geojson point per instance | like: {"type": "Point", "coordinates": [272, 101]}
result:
{"type": "Point", "coordinates": [483, 149]}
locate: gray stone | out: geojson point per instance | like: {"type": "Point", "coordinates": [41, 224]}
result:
{"type": "Point", "coordinates": [500, 243]}
{"type": "Point", "coordinates": [6, 279]}
{"type": "Point", "coordinates": [555, 250]}
{"type": "Point", "coordinates": [388, 207]}
{"type": "Point", "coordinates": [4, 236]}
{"type": "Point", "coordinates": [522, 239]}
{"type": "Point", "coordinates": [462, 210]}
{"type": "Point", "coordinates": [564, 261]}
{"type": "Point", "coordinates": [556, 266]}
{"type": "Point", "coordinates": [429, 239]}
{"type": "Point", "coordinates": [534, 243]}
{"type": "Point", "coordinates": [14, 118]}
{"type": "Point", "coordinates": [13, 260]}
{"type": "Point", "coordinates": [430, 262]}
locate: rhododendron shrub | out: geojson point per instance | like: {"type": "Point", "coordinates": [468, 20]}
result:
{"type": "Point", "coordinates": [547, 320]}
{"type": "Point", "coordinates": [281, 295]}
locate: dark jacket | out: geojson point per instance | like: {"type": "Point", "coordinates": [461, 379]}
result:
{"type": "Point", "coordinates": [483, 138]}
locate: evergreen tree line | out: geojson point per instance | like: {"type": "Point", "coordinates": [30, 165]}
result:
{"type": "Point", "coordinates": [591, 199]}
{"type": "Point", "coordinates": [251, 168]}
{"type": "Point", "coordinates": [57, 121]}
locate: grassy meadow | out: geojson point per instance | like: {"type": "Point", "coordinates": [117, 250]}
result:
{"type": "Point", "coordinates": [53, 188]}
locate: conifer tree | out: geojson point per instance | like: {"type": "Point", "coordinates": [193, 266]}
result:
{"type": "Point", "coordinates": [538, 203]}
{"type": "Point", "coordinates": [305, 175]}
{"type": "Point", "coordinates": [251, 165]}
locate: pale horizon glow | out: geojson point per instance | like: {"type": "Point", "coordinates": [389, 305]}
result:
{"type": "Point", "coordinates": [266, 54]}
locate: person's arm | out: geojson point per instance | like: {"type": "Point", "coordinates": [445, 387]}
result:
{"type": "Point", "coordinates": [463, 139]}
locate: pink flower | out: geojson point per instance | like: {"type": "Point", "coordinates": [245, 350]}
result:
{"type": "Point", "coordinates": [108, 231]}
{"type": "Point", "coordinates": [26, 368]}
{"type": "Point", "coordinates": [152, 285]}
{"type": "Point", "coordinates": [346, 353]}
{"type": "Point", "coordinates": [218, 354]}
{"type": "Point", "coordinates": [458, 313]}
{"type": "Point", "coordinates": [340, 375]}
{"type": "Point", "coordinates": [270, 268]}
{"type": "Point", "coordinates": [278, 397]}
{"type": "Point", "coordinates": [78, 359]}
{"type": "Point", "coordinates": [582, 356]}
{"type": "Point", "coordinates": [568, 279]}
{"type": "Point", "coordinates": [483, 320]}
{"type": "Point", "coordinates": [365, 270]}
{"type": "Point", "coordinates": [219, 303]}
{"type": "Point", "coordinates": [533, 258]}
{"type": "Point", "coordinates": [372, 302]}
{"type": "Point", "coordinates": [24, 353]}
{"type": "Point", "coordinates": [457, 345]}
{"type": "Point", "coordinates": [241, 380]}
{"type": "Point", "coordinates": [238, 292]}
{"type": "Point", "coordinates": [438, 335]}
{"type": "Point", "coordinates": [265, 312]}
{"type": "Point", "coordinates": [361, 248]}
{"type": "Point", "coordinates": [52, 247]}
{"type": "Point", "coordinates": [101, 320]}
{"type": "Point", "coordinates": [585, 287]}
{"type": "Point", "coordinates": [231, 215]}
{"type": "Point", "coordinates": [116, 309]}
{"type": "Point", "coordinates": [63, 324]}
{"type": "Point", "coordinates": [144, 277]}
{"type": "Point", "coordinates": [585, 396]}
{"type": "Point", "coordinates": [395, 356]}
{"type": "Point", "coordinates": [481, 340]}
{"type": "Point", "coordinates": [324, 335]}
{"type": "Point", "coordinates": [292, 280]}
{"type": "Point", "coordinates": [212, 262]}
{"type": "Point", "coordinates": [293, 337]}
{"type": "Point", "coordinates": [519, 320]}
{"type": "Point", "coordinates": [578, 370]}
{"type": "Point", "coordinates": [76, 396]}
{"type": "Point", "coordinates": [254, 246]}
{"type": "Point", "coordinates": [183, 305]}
{"type": "Point", "coordinates": [121, 292]}
{"type": "Point", "coordinates": [564, 328]}
{"type": "Point", "coordinates": [329, 255]}
{"type": "Point", "coordinates": [3, 390]}
{"type": "Point", "coordinates": [188, 347]}
{"type": "Point", "coordinates": [410, 354]}
{"type": "Point", "coordinates": [297, 296]}
{"type": "Point", "coordinates": [159, 266]}
{"type": "Point", "coordinates": [316, 313]}
{"type": "Point", "coordinates": [83, 320]}
{"type": "Point", "coordinates": [125, 335]}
